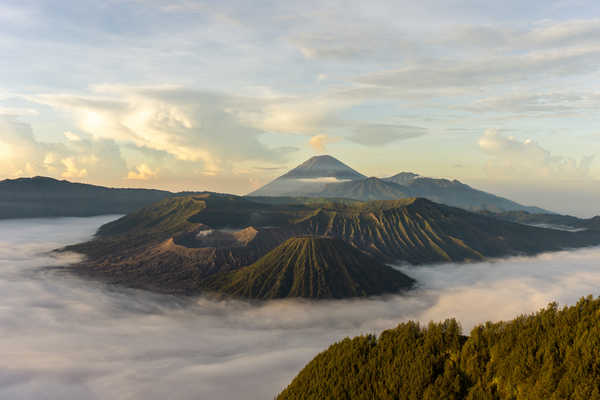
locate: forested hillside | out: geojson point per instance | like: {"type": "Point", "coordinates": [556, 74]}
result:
{"type": "Point", "coordinates": [553, 354]}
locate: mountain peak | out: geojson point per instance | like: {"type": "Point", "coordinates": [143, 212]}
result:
{"type": "Point", "coordinates": [403, 178]}
{"type": "Point", "coordinates": [314, 267]}
{"type": "Point", "coordinates": [324, 166]}
{"type": "Point", "coordinates": [309, 177]}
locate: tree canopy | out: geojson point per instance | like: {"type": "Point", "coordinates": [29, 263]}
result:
{"type": "Point", "coordinates": [552, 354]}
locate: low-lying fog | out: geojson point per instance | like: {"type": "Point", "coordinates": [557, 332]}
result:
{"type": "Point", "coordinates": [66, 338]}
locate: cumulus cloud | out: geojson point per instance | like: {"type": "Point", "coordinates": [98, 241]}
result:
{"type": "Point", "coordinates": [320, 142]}
{"type": "Point", "coordinates": [142, 172]}
{"type": "Point", "coordinates": [82, 338]}
{"type": "Point", "coordinates": [382, 134]}
{"type": "Point", "coordinates": [199, 126]}
{"type": "Point", "coordinates": [527, 160]}
{"type": "Point", "coordinates": [81, 156]}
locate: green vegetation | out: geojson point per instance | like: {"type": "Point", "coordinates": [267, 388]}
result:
{"type": "Point", "coordinates": [313, 267]}
{"type": "Point", "coordinates": [420, 231]}
{"type": "Point", "coordinates": [553, 354]}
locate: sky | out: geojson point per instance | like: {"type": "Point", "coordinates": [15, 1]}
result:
{"type": "Point", "coordinates": [67, 338]}
{"type": "Point", "coordinates": [227, 95]}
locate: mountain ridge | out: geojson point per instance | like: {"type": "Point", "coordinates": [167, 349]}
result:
{"type": "Point", "coordinates": [42, 196]}
{"type": "Point", "coordinates": [355, 185]}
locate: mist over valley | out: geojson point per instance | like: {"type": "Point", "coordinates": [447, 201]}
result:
{"type": "Point", "coordinates": [67, 338]}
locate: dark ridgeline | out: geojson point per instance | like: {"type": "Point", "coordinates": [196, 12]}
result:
{"type": "Point", "coordinates": [553, 354]}
{"type": "Point", "coordinates": [48, 197]}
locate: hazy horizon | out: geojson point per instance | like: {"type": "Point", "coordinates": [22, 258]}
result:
{"type": "Point", "coordinates": [225, 96]}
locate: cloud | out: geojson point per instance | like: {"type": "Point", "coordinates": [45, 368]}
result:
{"type": "Point", "coordinates": [71, 169]}
{"type": "Point", "coordinates": [17, 111]}
{"type": "Point", "coordinates": [197, 126]}
{"type": "Point", "coordinates": [320, 142]}
{"type": "Point", "coordinates": [82, 338]}
{"type": "Point", "coordinates": [382, 134]}
{"type": "Point", "coordinates": [142, 172]}
{"type": "Point", "coordinates": [327, 179]}
{"type": "Point", "coordinates": [527, 160]}
{"type": "Point", "coordinates": [552, 103]}
{"type": "Point", "coordinates": [496, 70]}
{"type": "Point", "coordinates": [80, 158]}
{"type": "Point", "coordinates": [306, 115]}
{"type": "Point", "coordinates": [544, 34]}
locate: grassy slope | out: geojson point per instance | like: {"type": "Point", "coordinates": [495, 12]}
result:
{"type": "Point", "coordinates": [313, 267]}
{"type": "Point", "coordinates": [144, 227]}
{"type": "Point", "coordinates": [419, 231]}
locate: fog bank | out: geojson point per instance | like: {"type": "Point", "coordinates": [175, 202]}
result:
{"type": "Point", "coordinates": [62, 337]}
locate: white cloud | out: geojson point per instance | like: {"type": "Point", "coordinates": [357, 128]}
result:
{"type": "Point", "coordinates": [382, 134]}
{"type": "Point", "coordinates": [196, 126]}
{"type": "Point", "coordinates": [17, 111]}
{"type": "Point", "coordinates": [78, 338]}
{"type": "Point", "coordinates": [142, 172]}
{"type": "Point", "coordinates": [72, 170]}
{"type": "Point", "coordinates": [21, 154]}
{"type": "Point", "coordinates": [72, 136]}
{"type": "Point", "coordinates": [527, 160]}
{"type": "Point", "coordinates": [320, 142]}
{"type": "Point", "coordinates": [489, 71]}
{"type": "Point", "coordinates": [307, 115]}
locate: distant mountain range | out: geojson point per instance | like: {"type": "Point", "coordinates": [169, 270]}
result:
{"type": "Point", "coordinates": [188, 244]}
{"type": "Point", "coordinates": [318, 177]}
{"type": "Point", "coordinates": [555, 221]}
{"type": "Point", "coordinates": [325, 176]}
{"type": "Point", "coordinates": [47, 197]}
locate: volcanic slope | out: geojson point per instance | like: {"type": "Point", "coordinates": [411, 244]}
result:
{"type": "Point", "coordinates": [312, 267]}
{"type": "Point", "coordinates": [420, 231]}
{"type": "Point", "coordinates": [309, 177]}
{"type": "Point", "coordinates": [365, 190]}
{"type": "Point", "coordinates": [175, 244]}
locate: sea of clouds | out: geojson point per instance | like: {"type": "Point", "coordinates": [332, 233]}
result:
{"type": "Point", "coordinates": [62, 337]}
